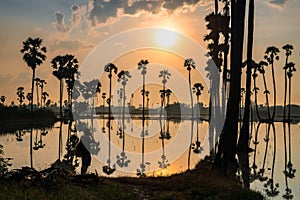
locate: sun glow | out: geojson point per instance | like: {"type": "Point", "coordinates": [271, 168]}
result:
{"type": "Point", "coordinates": [166, 38]}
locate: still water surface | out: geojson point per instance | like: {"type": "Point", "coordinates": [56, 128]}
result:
{"type": "Point", "coordinates": [160, 157]}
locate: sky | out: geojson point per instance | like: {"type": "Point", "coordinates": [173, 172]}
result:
{"type": "Point", "coordinates": [78, 27]}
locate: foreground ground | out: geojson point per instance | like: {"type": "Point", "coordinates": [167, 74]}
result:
{"type": "Point", "coordinates": [201, 183]}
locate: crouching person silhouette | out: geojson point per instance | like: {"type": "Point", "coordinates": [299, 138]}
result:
{"type": "Point", "coordinates": [81, 151]}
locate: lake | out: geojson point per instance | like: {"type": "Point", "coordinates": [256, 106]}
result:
{"type": "Point", "coordinates": [148, 153]}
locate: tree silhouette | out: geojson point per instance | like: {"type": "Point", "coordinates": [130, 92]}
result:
{"type": "Point", "coordinates": [42, 83]}
{"type": "Point", "coordinates": [44, 98]}
{"type": "Point", "coordinates": [37, 85]}
{"type": "Point", "coordinates": [71, 65]}
{"type": "Point", "coordinates": [59, 71]}
{"type": "Point", "coordinates": [20, 93]}
{"type": "Point", "coordinates": [290, 70]}
{"type": "Point", "coordinates": [109, 68]}
{"type": "Point", "coordinates": [226, 154]}
{"type": "Point", "coordinates": [271, 56]}
{"type": "Point", "coordinates": [142, 65]}
{"type": "Point", "coordinates": [2, 99]}
{"type": "Point", "coordinates": [261, 69]}
{"type": "Point", "coordinates": [33, 55]}
{"type": "Point", "coordinates": [190, 64]}
{"type": "Point", "coordinates": [288, 52]}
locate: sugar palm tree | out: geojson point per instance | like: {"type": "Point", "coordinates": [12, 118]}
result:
{"type": "Point", "coordinates": [37, 85]}
{"type": "Point", "coordinates": [29, 97]}
{"type": "Point", "coordinates": [288, 52]}
{"type": "Point", "coordinates": [33, 55]}
{"type": "Point", "coordinates": [190, 64]}
{"type": "Point", "coordinates": [20, 93]}
{"type": "Point", "coordinates": [142, 65]}
{"type": "Point", "coordinates": [261, 69]}
{"type": "Point", "coordinates": [109, 68]}
{"type": "Point", "coordinates": [42, 83]}
{"type": "Point", "coordinates": [59, 71]}
{"type": "Point", "coordinates": [71, 65]}
{"type": "Point", "coordinates": [271, 56]}
{"type": "Point", "coordinates": [44, 98]}
{"type": "Point", "coordinates": [2, 99]}
{"type": "Point", "coordinates": [198, 87]}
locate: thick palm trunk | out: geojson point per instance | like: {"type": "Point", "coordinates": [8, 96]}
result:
{"type": "Point", "coordinates": [243, 144]}
{"type": "Point", "coordinates": [228, 139]}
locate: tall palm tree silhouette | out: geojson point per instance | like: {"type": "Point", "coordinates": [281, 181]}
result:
{"type": "Point", "coordinates": [123, 77]}
{"type": "Point", "coordinates": [198, 87]}
{"type": "Point", "coordinates": [44, 98]}
{"type": "Point", "coordinates": [288, 52]}
{"type": "Point", "coordinates": [33, 55]}
{"type": "Point", "coordinates": [271, 56]}
{"type": "Point", "coordinates": [190, 64]}
{"type": "Point", "coordinates": [109, 68]}
{"type": "Point", "coordinates": [71, 65]}
{"type": "Point", "coordinates": [42, 83]}
{"type": "Point", "coordinates": [59, 71]}
{"type": "Point", "coordinates": [20, 93]}
{"type": "Point", "coordinates": [103, 111]}
{"type": "Point", "coordinates": [142, 65]}
{"type": "Point", "coordinates": [2, 99]}
{"type": "Point", "coordinates": [37, 85]}
{"type": "Point", "coordinates": [261, 69]}
{"type": "Point", "coordinates": [256, 68]}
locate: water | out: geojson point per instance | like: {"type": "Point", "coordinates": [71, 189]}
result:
{"type": "Point", "coordinates": [161, 157]}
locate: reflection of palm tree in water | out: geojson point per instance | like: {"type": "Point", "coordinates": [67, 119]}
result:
{"type": "Point", "coordinates": [271, 187]}
{"type": "Point", "coordinates": [103, 111]}
{"type": "Point", "coordinates": [198, 87]}
{"type": "Point", "coordinates": [123, 77]}
{"type": "Point", "coordinates": [109, 68]}
{"type": "Point", "coordinates": [142, 65]}
{"type": "Point", "coordinates": [255, 142]}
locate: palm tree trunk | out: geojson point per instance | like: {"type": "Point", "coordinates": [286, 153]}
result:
{"type": "Point", "coordinates": [267, 97]}
{"type": "Point", "coordinates": [285, 91]}
{"type": "Point", "coordinates": [243, 143]}
{"type": "Point", "coordinates": [32, 117]}
{"type": "Point", "coordinates": [228, 139]}
{"type": "Point", "coordinates": [60, 98]}
{"type": "Point", "coordinates": [274, 88]}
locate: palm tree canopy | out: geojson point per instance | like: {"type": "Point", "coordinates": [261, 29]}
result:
{"type": "Point", "coordinates": [33, 52]}
{"type": "Point", "coordinates": [271, 53]}
{"type": "Point", "coordinates": [189, 64]}
{"type": "Point", "coordinates": [142, 65]}
{"type": "Point", "coordinates": [110, 67]}
{"type": "Point", "coordinates": [198, 87]}
{"type": "Point", "coordinates": [288, 49]}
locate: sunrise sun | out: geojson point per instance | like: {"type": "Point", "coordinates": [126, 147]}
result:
{"type": "Point", "coordinates": [166, 38]}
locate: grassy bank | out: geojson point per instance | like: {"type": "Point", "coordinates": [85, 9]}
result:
{"type": "Point", "coordinates": [201, 183]}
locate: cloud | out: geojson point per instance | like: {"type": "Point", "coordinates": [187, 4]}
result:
{"type": "Point", "coordinates": [72, 45]}
{"type": "Point", "coordinates": [76, 15]}
{"type": "Point", "coordinates": [101, 11]}
{"type": "Point", "coordinates": [59, 24]}
{"type": "Point", "coordinates": [277, 3]}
